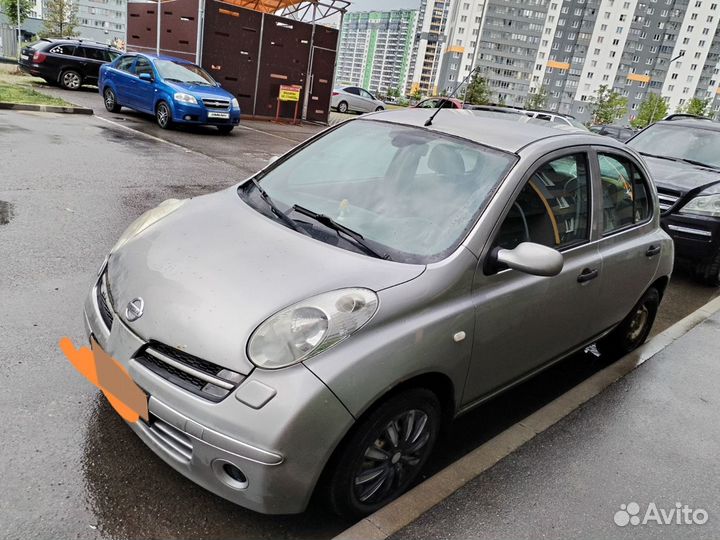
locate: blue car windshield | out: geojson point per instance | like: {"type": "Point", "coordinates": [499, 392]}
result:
{"type": "Point", "coordinates": [411, 193]}
{"type": "Point", "coordinates": [183, 73]}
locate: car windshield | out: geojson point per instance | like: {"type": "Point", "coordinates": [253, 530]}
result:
{"type": "Point", "coordinates": [184, 73]}
{"type": "Point", "coordinates": [412, 194]}
{"type": "Point", "coordinates": [680, 142]}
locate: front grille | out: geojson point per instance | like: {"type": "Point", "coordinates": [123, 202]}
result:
{"type": "Point", "coordinates": [667, 200]}
{"type": "Point", "coordinates": [216, 104]}
{"type": "Point", "coordinates": [172, 440]}
{"type": "Point", "coordinates": [189, 372]}
{"type": "Point", "coordinates": [104, 301]}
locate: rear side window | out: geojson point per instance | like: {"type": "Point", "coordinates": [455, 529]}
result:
{"type": "Point", "coordinates": [553, 209]}
{"type": "Point", "coordinates": [352, 90]}
{"type": "Point", "coordinates": [125, 63]}
{"type": "Point", "coordinates": [625, 190]}
{"type": "Point", "coordinates": [64, 49]}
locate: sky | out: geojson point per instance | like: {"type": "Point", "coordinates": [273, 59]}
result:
{"type": "Point", "coordinates": [384, 5]}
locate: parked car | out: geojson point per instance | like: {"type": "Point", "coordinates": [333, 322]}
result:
{"type": "Point", "coordinates": [395, 277]}
{"type": "Point", "coordinates": [175, 91]}
{"type": "Point", "coordinates": [435, 102]}
{"type": "Point", "coordinates": [683, 153]}
{"type": "Point", "coordinates": [618, 133]}
{"type": "Point", "coordinates": [71, 63]}
{"type": "Point", "coordinates": [550, 116]}
{"type": "Point", "coordinates": [355, 99]}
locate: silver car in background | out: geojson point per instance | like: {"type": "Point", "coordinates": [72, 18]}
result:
{"type": "Point", "coordinates": [316, 325]}
{"type": "Point", "coordinates": [355, 99]}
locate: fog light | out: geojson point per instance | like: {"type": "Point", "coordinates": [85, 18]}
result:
{"type": "Point", "coordinates": [188, 117]}
{"type": "Point", "coordinates": [233, 472]}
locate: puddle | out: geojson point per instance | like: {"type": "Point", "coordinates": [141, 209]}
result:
{"type": "Point", "coordinates": [7, 212]}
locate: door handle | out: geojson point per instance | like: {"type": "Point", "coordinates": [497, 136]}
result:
{"type": "Point", "coordinates": [588, 275]}
{"type": "Point", "coordinates": [653, 250]}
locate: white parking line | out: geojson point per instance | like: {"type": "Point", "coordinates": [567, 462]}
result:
{"type": "Point", "coordinates": [268, 133]}
{"type": "Point", "coordinates": [410, 506]}
{"type": "Point", "coordinates": [153, 137]}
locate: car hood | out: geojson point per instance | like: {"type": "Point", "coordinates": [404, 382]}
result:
{"type": "Point", "coordinates": [201, 91]}
{"type": "Point", "coordinates": [215, 269]}
{"type": "Point", "coordinates": [678, 176]}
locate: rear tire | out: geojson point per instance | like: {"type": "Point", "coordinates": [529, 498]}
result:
{"type": "Point", "coordinates": [709, 273]}
{"type": "Point", "coordinates": [163, 115]}
{"type": "Point", "coordinates": [342, 107]}
{"type": "Point", "coordinates": [384, 453]}
{"type": "Point", "coordinates": [635, 328]}
{"type": "Point", "coordinates": [225, 129]}
{"type": "Point", "coordinates": [70, 80]}
{"type": "Point", "coordinates": [110, 100]}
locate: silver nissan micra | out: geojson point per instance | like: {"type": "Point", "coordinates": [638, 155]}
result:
{"type": "Point", "coordinates": [315, 325]}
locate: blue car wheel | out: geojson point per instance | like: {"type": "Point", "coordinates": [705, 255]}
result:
{"type": "Point", "coordinates": [110, 100]}
{"type": "Point", "coordinates": [163, 115]}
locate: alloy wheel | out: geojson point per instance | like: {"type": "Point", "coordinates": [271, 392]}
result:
{"type": "Point", "coordinates": [398, 450]}
{"type": "Point", "coordinates": [71, 80]}
{"type": "Point", "coordinates": [163, 115]}
{"type": "Point", "coordinates": [109, 100]}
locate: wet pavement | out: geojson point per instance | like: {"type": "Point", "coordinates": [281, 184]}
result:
{"type": "Point", "coordinates": [69, 467]}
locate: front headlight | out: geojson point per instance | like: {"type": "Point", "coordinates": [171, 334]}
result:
{"type": "Point", "coordinates": [703, 205]}
{"type": "Point", "coordinates": [185, 98]}
{"type": "Point", "coordinates": [150, 217]}
{"type": "Point", "coordinates": [307, 328]}
{"type": "Point", "coordinates": [235, 104]}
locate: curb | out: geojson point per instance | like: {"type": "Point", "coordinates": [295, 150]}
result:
{"type": "Point", "coordinates": [410, 506]}
{"type": "Point", "coordinates": [45, 108]}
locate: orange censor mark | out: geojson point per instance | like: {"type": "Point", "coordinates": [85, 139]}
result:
{"type": "Point", "coordinates": [98, 367]}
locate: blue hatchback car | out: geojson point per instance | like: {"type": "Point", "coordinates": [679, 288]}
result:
{"type": "Point", "coordinates": [175, 91]}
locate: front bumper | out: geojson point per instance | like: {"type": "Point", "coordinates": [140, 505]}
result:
{"type": "Point", "coordinates": [199, 115]}
{"type": "Point", "coordinates": [696, 238]}
{"type": "Point", "coordinates": [281, 447]}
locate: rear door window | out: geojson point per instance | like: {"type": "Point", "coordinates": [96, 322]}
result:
{"type": "Point", "coordinates": [626, 196]}
{"type": "Point", "coordinates": [92, 53]}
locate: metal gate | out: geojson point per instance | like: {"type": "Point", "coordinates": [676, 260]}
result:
{"type": "Point", "coordinates": [321, 80]}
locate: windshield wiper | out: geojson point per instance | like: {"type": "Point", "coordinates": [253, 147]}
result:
{"type": "Point", "coordinates": [681, 160]}
{"type": "Point", "coordinates": [337, 227]}
{"type": "Point", "coordinates": [275, 210]}
{"type": "Point", "coordinates": [173, 80]}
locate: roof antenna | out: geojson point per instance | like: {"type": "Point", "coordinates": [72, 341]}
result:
{"type": "Point", "coordinates": [447, 98]}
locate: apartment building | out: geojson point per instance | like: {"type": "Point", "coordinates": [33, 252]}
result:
{"type": "Point", "coordinates": [102, 20]}
{"type": "Point", "coordinates": [572, 47]}
{"type": "Point", "coordinates": [375, 49]}
{"type": "Point", "coordinates": [463, 33]}
{"type": "Point", "coordinates": [429, 46]}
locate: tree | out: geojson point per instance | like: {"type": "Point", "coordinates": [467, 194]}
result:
{"type": "Point", "coordinates": [609, 106]}
{"type": "Point", "coordinates": [697, 106]}
{"type": "Point", "coordinates": [538, 100]}
{"type": "Point", "coordinates": [10, 8]}
{"type": "Point", "coordinates": [652, 109]}
{"type": "Point", "coordinates": [60, 19]}
{"type": "Point", "coordinates": [478, 90]}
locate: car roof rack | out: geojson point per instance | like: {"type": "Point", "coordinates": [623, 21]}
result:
{"type": "Point", "coordinates": [686, 116]}
{"type": "Point", "coordinates": [563, 115]}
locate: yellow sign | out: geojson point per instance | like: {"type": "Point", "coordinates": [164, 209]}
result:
{"type": "Point", "coordinates": [289, 93]}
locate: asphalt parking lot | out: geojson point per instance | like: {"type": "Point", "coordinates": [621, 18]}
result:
{"type": "Point", "coordinates": [69, 465]}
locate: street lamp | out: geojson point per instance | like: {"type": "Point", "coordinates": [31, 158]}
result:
{"type": "Point", "coordinates": [652, 116]}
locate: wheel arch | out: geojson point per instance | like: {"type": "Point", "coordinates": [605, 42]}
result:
{"type": "Point", "coordinates": [661, 285]}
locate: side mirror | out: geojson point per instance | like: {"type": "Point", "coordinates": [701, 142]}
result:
{"type": "Point", "coordinates": [145, 77]}
{"type": "Point", "coordinates": [533, 259]}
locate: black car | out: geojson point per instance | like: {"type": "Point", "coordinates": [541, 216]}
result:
{"type": "Point", "coordinates": [618, 133]}
{"type": "Point", "coordinates": [67, 62]}
{"type": "Point", "coordinates": [683, 153]}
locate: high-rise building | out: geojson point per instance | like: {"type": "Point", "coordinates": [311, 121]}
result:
{"type": "Point", "coordinates": [572, 47]}
{"type": "Point", "coordinates": [102, 20]}
{"type": "Point", "coordinates": [429, 46]}
{"type": "Point", "coordinates": [463, 32]}
{"type": "Point", "coordinates": [375, 49]}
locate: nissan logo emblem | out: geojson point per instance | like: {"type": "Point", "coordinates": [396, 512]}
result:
{"type": "Point", "coordinates": [134, 309]}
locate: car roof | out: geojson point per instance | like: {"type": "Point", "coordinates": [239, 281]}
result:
{"type": "Point", "coordinates": [509, 132]}
{"type": "Point", "coordinates": [691, 122]}
{"type": "Point", "coordinates": [80, 41]}
{"type": "Point", "coordinates": [153, 56]}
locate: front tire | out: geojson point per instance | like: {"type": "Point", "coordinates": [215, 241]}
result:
{"type": "Point", "coordinates": [342, 107]}
{"type": "Point", "coordinates": [635, 328]}
{"type": "Point", "coordinates": [384, 454]}
{"type": "Point", "coordinates": [70, 80]}
{"type": "Point", "coordinates": [163, 115]}
{"type": "Point", "coordinates": [380, 109]}
{"type": "Point", "coordinates": [110, 100]}
{"type": "Point", "coordinates": [709, 273]}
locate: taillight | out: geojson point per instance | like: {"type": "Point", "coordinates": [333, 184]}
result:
{"type": "Point", "coordinates": [39, 58]}
{"type": "Point", "coordinates": [336, 93]}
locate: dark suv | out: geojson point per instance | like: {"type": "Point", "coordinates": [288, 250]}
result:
{"type": "Point", "coordinates": [67, 62]}
{"type": "Point", "coordinates": [683, 153]}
